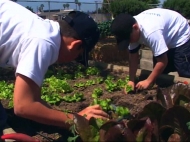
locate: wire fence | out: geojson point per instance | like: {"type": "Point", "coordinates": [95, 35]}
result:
{"type": "Point", "coordinates": [49, 8]}
{"type": "Point", "coordinates": [48, 5]}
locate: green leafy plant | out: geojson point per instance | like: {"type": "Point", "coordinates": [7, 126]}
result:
{"type": "Point", "coordinates": [80, 84]}
{"type": "Point", "coordinates": [110, 85]}
{"type": "Point", "coordinates": [104, 28]}
{"type": "Point", "coordinates": [90, 82]}
{"type": "Point", "coordinates": [77, 97]}
{"type": "Point", "coordinates": [128, 88]}
{"type": "Point", "coordinates": [104, 103]}
{"type": "Point", "coordinates": [78, 74]}
{"type": "Point", "coordinates": [56, 85]}
{"type": "Point", "coordinates": [92, 71]}
{"type": "Point", "coordinates": [6, 92]}
{"type": "Point", "coordinates": [99, 80]}
{"type": "Point", "coordinates": [52, 98]}
{"type": "Point", "coordinates": [97, 92]}
{"type": "Point", "coordinates": [121, 83]}
{"type": "Point", "coordinates": [122, 111]}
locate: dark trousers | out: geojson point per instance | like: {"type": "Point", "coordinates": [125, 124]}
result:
{"type": "Point", "coordinates": [178, 60]}
{"type": "Point", "coordinates": [3, 117]}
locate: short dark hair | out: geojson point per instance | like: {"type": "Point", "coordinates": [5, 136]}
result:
{"type": "Point", "coordinates": [122, 27]}
{"type": "Point", "coordinates": [66, 30]}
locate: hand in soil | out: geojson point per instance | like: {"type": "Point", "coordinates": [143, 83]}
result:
{"type": "Point", "coordinates": [143, 85]}
{"type": "Point", "coordinates": [132, 84]}
{"type": "Point", "coordinates": [93, 111]}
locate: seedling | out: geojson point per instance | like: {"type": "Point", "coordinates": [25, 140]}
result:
{"type": "Point", "coordinates": [121, 83]}
{"type": "Point", "coordinates": [77, 97]}
{"type": "Point", "coordinates": [90, 82]}
{"type": "Point", "coordinates": [99, 80]}
{"type": "Point", "coordinates": [52, 98]}
{"type": "Point", "coordinates": [78, 74]}
{"type": "Point", "coordinates": [110, 77]}
{"type": "Point", "coordinates": [122, 111]}
{"type": "Point", "coordinates": [128, 88]}
{"type": "Point", "coordinates": [97, 92]}
{"type": "Point", "coordinates": [92, 71]}
{"type": "Point", "coordinates": [105, 104]}
{"type": "Point", "coordinates": [110, 85]}
{"type": "Point", "coordinates": [79, 84]}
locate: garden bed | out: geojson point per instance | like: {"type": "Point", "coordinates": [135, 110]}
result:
{"type": "Point", "coordinates": [133, 102]}
{"type": "Point", "coordinates": [82, 82]}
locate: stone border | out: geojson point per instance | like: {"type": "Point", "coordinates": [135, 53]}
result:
{"type": "Point", "coordinates": [163, 78]}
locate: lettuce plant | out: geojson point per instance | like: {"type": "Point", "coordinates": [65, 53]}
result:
{"type": "Point", "coordinates": [92, 71]}
{"type": "Point", "coordinates": [74, 98]}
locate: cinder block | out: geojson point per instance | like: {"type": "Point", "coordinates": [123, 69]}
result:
{"type": "Point", "coordinates": [146, 64]}
{"type": "Point", "coordinates": [146, 54]}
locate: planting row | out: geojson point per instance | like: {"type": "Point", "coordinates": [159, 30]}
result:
{"type": "Point", "coordinates": [166, 118]}
{"type": "Point", "coordinates": [56, 87]}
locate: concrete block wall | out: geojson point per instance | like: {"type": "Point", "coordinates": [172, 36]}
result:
{"type": "Point", "coordinates": [146, 61]}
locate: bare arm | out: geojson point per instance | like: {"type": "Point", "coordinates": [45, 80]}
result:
{"type": "Point", "coordinates": [162, 62]}
{"type": "Point", "coordinates": [27, 103]}
{"type": "Point", "coordinates": [133, 65]}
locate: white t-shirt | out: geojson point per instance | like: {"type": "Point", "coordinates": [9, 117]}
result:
{"type": "Point", "coordinates": [27, 42]}
{"type": "Point", "coordinates": [161, 29]}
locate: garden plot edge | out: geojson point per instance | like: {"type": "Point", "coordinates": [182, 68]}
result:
{"type": "Point", "coordinates": [142, 73]}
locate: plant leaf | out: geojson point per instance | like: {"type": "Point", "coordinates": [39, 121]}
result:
{"type": "Point", "coordinates": [164, 98]}
{"type": "Point", "coordinates": [143, 129]}
{"type": "Point", "coordinates": [83, 127]}
{"type": "Point", "coordinates": [115, 131]}
{"type": "Point", "coordinates": [173, 95]}
{"type": "Point", "coordinates": [72, 139]}
{"type": "Point", "coordinates": [153, 110]}
{"type": "Point", "coordinates": [177, 117]}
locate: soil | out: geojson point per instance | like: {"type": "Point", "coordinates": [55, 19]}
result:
{"type": "Point", "coordinates": [135, 102]}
